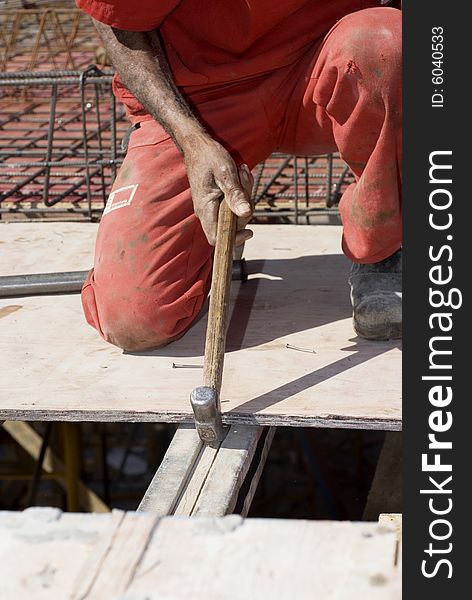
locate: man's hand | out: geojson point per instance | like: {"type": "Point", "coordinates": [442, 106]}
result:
{"type": "Point", "coordinates": [213, 174]}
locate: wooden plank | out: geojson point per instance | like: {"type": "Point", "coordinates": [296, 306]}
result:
{"type": "Point", "coordinates": [141, 556]}
{"type": "Point", "coordinates": [121, 561]}
{"type": "Point", "coordinates": [237, 559]}
{"type": "Point", "coordinates": [42, 551]}
{"type": "Point", "coordinates": [90, 569]}
{"type": "Point", "coordinates": [171, 478]}
{"type": "Point", "coordinates": [201, 480]}
{"type": "Point", "coordinates": [367, 574]}
{"type": "Point", "coordinates": [31, 441]}
{"type": "Point", "coordinates": [299, 296]}
{"type": "Point", "coordinates": [254, 481]}
{"type": "Point", "coordinates": [221, 488]}
{"type": "Point", "coordinates": [193, 487]}
{"type": "Point", "coordinates": [46, 247]}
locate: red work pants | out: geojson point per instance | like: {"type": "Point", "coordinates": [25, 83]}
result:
{"type": "Point", "coordinates": [152, 261]}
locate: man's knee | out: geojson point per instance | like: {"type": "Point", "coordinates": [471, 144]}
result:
{"type": "Point", "coordinates": [147, 327]}
{"type": "Point", "coordinates": [150, 325]}
{"type": "Point", "coordinates": [134, 335]}
{"type": "Point", "coordinates": [373, 37]}
{"type": "Point", "coordinates": [141, 320]}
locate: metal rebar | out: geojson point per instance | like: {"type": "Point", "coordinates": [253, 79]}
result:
{"type": "Point", "coordinates": [59, 74]}
{"type": "Point", "coordinates": [307, 188]}
{"type": "Point", "coordinates": [280, 213]}
{"type": "Point", "coordinates": [329, 178]}
{"type": "Point", "coordinates": [100, 146]}
{"type": "Point", "coordinates": [52, 120]}
{"type": "Point", "coordinates": [56, 163]}
{"type": "Point", "coordinates": [83, 78]}
{"type": "Point", "coordinates": [295, 183]}
{"type": "Point", "coordinates": [50, 211]}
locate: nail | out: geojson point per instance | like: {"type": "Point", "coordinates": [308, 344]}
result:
{"type": "Point", "coordinates": [290, 347]}
{"type": "Point", "coordinates": [182, 366]}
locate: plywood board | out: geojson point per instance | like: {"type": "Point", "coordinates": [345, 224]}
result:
{"type": "Point", "coordinates": [136, 555]}
{"type": "Point", "coordinates": [55, 367]}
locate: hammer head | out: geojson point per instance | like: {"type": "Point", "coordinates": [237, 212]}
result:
{"type": "Point", "coordinates": [206, 408]}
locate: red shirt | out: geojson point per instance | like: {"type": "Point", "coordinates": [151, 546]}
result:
{"type": "Point", "coordinates": [217, 41]}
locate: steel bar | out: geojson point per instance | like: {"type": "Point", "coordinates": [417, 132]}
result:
{"type": "Point", "coordinates": [292, 195]}
{"type": "Point", "coordinates": [42, 283]}
{"type": "Point", "coordinates": [50, 211]}
{"type": "Point", "coordinates": [307, 188]}
{"type": "Point", "coordinates": [52, 120]}
{"type": "Point", "coordinates": [55, 163]}
{"type": "Point", "coordinates": [329, 178]}
{"type": "Point", "coordinates": [18, 81]}
{"type": "Point", "coordinates": [17, 114]}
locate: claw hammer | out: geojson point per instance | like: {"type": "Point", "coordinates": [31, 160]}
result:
{"type": "Point", "coordinates": [205, 399]}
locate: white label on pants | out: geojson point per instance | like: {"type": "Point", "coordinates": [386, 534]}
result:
{"type": "Point", "coordinates": [120, 197]}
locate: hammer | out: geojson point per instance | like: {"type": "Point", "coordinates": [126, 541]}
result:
{"type": "Point", "coordinates": [205, 399]}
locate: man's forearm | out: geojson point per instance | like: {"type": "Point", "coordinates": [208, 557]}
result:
{"type": "Point", "coordinates": [212, 173]}
{"type": "Point", "coordinates": [143, 68]}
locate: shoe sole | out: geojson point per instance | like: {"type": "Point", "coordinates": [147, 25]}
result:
{"type": "Point", "coordinates": [395, 333]}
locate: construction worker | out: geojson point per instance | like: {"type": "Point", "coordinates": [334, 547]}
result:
{"type": "Point", "coordinates": [212, 89]}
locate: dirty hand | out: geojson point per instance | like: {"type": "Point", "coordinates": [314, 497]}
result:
{"type": "Point", "coordinates": [212, 174]}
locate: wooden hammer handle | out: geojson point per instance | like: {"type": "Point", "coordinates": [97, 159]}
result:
{"type": "Point", "coordinates": [219, 298]}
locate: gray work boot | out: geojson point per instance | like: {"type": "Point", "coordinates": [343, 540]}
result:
{"type": "Point", "coordinates": [376, 297]}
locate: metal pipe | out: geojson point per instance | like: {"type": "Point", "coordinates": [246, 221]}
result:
{"type": "Point", "coordinates": [42, 283]}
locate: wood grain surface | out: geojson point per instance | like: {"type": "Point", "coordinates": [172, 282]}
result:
{"type": "Point", "coordinates": [124, 556]}
{"type": "Point", "coordinates": [56, 367]}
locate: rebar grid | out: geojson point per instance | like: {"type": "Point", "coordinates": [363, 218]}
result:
{"type": "Point", "coordinates": [294, 188]}
{"type": "Point", "coordinates": [59, 153]}
{"type": "Point", "coordinates": [58, 142]}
